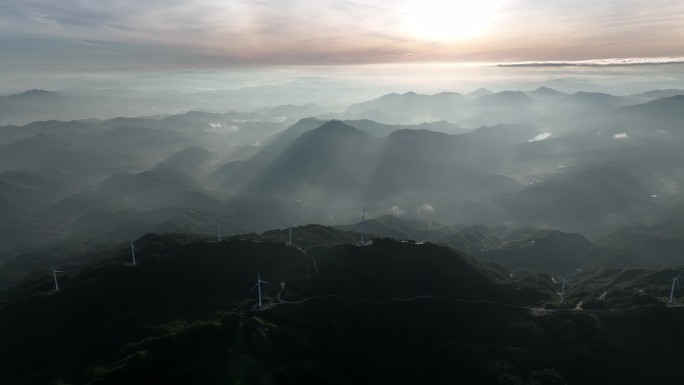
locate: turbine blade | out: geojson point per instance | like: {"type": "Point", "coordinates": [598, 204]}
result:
{"type": "Point", "coordinates": [266, 282]}
{"type": "Point", "coordinates": [293, 222]}
{"type": "Point", "coordinates": [680, 273]}
{"type": "Point", "coordinates": [254, 287]}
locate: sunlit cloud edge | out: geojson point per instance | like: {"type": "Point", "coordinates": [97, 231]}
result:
{"type": "Point", "coordinates": [611, 62]}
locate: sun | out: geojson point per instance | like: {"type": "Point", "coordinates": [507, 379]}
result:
{"type": "Point", "coordinates": [449, 19]}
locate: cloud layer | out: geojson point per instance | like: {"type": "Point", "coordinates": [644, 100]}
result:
{"type": "Point", "coordinates": [213, 33]}
{"type": "Point", "coordinates": [613, 62]}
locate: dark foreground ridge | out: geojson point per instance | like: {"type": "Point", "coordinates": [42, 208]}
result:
{"type": "Point", "coordinates": [391, 312]}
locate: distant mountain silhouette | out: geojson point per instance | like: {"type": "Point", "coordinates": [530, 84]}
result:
{"type": "Point", "coordinates": [332, 158]}
{"type": "Point", "coordinates": [410, 107]}
{"type": "Point", "coordinates": [545, 93]}
{"type": "Point", "coordinates": [255, 164]}
{"type": "Point", "coordinates": [549, 251]}
{"type": "Point", "coordinates": [146, 190]}
{"type": "Point", "coordinates": [660, 244]}
{"type": "Point", "coordinates": [669, 110]}
{"type": "Point", "coordinates": [595, 100]}
{"type": "Point", "coordinates": [193, 161]}
{"type": "Point", "coordinates": [583, 163]}
{"type": "Point", "coordinates": [23, 196]}
{"type": "Point", "coordinates": [380, 130]}
{"type": "Point", "coordinates": [587, 195]}
{"type": "Point", "coordinates": [26, 191]}
{"type": "Point", "coordinates": [34, 105]}
{"type": "Point", "coordinates": [508, 99]}
{"type": "Point", "coordinates": [658, 94]}
{"type": "Point", "coordinates": [220, 177]}
{"type": "Point", "coordinates": [439, 167]}
{"type": "Point", "coordinates": [478, 93]}
{"type": "Point", "coordinates": [51, 127]}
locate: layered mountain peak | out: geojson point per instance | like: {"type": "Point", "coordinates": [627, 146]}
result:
{"type": "Point", "coordinates": [332, 130]}
{"type": "Point", "coordinates": [36, 92]}
{"type": "Point", "coordinates": [546, 92]}
{"type": "Point", "coordinates": [335, 126]}
{"type": "Point", "coordinates": [479, 92]}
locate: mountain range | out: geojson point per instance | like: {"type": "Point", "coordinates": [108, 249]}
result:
{"type": "Point", "coordinates": [116, 179]}
{"type": "Point", "coordinates": [391, 311]}
{"type": "Point", "coordinates": [513, 237]}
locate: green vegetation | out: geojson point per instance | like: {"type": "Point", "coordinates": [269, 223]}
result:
{"type": "Point", "coordinates": [389, 313]}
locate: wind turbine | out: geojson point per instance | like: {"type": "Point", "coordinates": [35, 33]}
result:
{"type": "Point", "coordinates": [362, 225]}
{"type": "Point", "coordinates": [675, 280]}
{"type": "Point", "coordinates": [562, 292]}
{"type": "Point", "coordinates": [54, 274]}
{"type": "Point", "coordinates": [258, 286]}
{"type": "Point", "coordinates": [133, 250]}
{"type": "Point", "coordinates": [218, 227]}
{"type": "Point", "coordinates": [289, 231]}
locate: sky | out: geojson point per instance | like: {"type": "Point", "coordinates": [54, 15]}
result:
{"type": "Point", "coordinates": [78, 35]}
{"type": "Point", "coordinates": [218, 55]}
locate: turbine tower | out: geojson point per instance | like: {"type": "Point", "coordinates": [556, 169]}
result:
{"type": "Point", "coordinates": [258, 286]}
{"type": "Point", "coordinates": [562, 292]}
{"type": "Point", "coordinates": [289, 231]}
{"type": "Point", "coordinates": [133, 250]}
{"type": "Point", "coordinates": [675, 280]}
{"type": "Point", "coordinates": [362, 226]}
{"type": "Point", "coordinates": [218, 227]}
{"type": "Point", "coordinates": [54, 275]}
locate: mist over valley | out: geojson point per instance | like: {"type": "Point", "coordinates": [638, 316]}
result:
{"type": "Point", "coordinates": [341, 192]}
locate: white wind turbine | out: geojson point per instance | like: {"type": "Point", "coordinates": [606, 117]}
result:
{"type": "Point", "coordinates": [562, 293]}
{"type": "Point", "coordinates": [54, 275]}
{"type": "Point", "coordinates": [675, 280]}
{"type": "Point", "coordinates": [562, 298]}
{"type": "Point", "coordinates": [362, 226]}
{"type": "Point", "coordinates": [218, 227]}
{"type": "Point", "coordinates": [289, 232]}
{"type": "Point", "coordinates": [133, 250]}
{"type": "Point", "coordinates": [258, 286]}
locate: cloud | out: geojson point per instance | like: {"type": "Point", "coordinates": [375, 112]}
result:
{"type": "Point", "coordinates": [622, 135]}
{"type": "Point", "coordinates": [426, 208]}
{"type": "Point", "coordinates": [219, 34]}
{"type": "Point", "coordinates": [396, 211]}
{"type": "Point", "coordinates": [268, 31]}
{"type": "Point", "coordinates": [540, 137]}
{"type": "Point", "coordinates": [614, 62]}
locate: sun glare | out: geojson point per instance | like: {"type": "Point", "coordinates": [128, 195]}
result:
{"type": "Point", "coordinates": [449, 19]}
